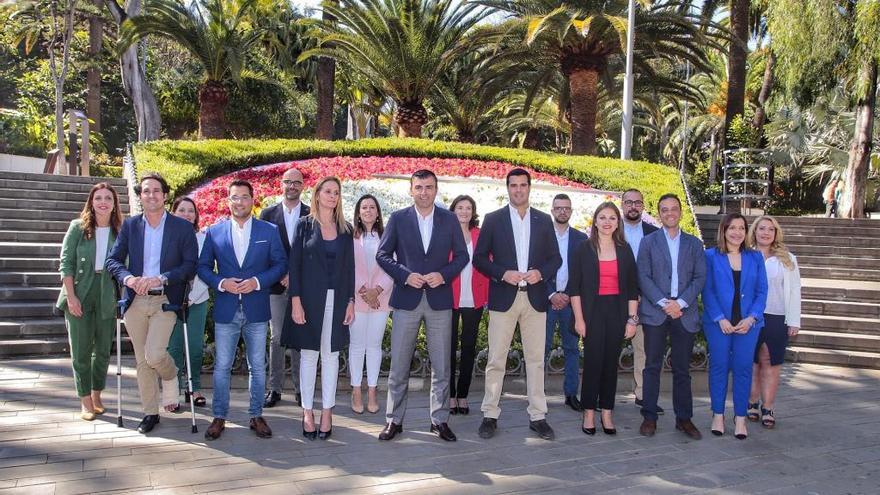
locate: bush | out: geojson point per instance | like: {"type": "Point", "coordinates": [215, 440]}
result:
{"type": "Point", "coordinates": [186, 164]}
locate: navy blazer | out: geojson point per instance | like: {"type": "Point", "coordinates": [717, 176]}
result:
{"type": "Point", "coordinates": [655, 274]}
{"type": "Point", "coordinates": [264, 260]}
{"type": "Point", "coordinates": [177, 261]}
{"type": "Point", "coordinates": [647, 228]}
{"type": "Point", "coordinates": [575, 237]}
{"type": "Point", "coordinates": [309, 281]}
{"type": "Point", "coordinates": [401, 253]}
{"type": "Point", "coordinates": [275, 215]}
{"type": "Point", "coordinates": [496, 253]}
{"type": "Point", "coordinates": [718, 293]}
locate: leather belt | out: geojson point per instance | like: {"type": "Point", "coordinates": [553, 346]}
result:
{"type": "Point", "coordinates": [156, 292]}
{"type": "Point", "coordinates": [523, 288]}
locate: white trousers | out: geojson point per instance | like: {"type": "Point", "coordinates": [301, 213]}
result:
{"type": "Point", "coordinates": [308, 365]}
{"type": "Point", "coordinates": [366, 333]}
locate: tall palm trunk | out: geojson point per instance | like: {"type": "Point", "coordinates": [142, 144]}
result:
{"type": "Point", "coordinates": [766, 87]}
{"type": "Point", "coordinates": [583, 86]}
{"type": "Point", "coordinates": [736, 61]}
{"type": "Point", "coordinates": [856, 174]}
{"type": "Point", "coordinates": [213, 98]}
{"type": "Point", "coordinates": [93, 75]}
{"type": "Point", "coordinates": [326, 75]}
{"type": "Point", "coordinates": [410, 117]}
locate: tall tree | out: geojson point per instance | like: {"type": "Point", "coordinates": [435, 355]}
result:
{"type": "Point", "coordinates": [93, 74]}
{"type": "Point", "coordinates": [325, 84]}
{"type": "Point", "coordinates": [218, 33]}
{"type": "Point", "coordinates": [402, 46]}
{"type": "Point", "coordinates": [134, 80]}
{"type": "Point", "coordinates": [736, 60]}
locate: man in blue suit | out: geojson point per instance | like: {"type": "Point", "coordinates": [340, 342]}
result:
{"type": "Point", "coordinates": [154, 257]}
{"type": "Point", "coordinates": [567, 238]}
{"type": "Point", "coordinates": [415, 251]}
{"type": "Point", "coordinates": [672, 272]}
{"type": "Point", "coordinates": [249, 259]}
{"type": "Point", "coordinates": [517, 250]}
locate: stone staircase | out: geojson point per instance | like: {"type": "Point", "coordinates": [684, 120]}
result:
{"type": "Point", "coordinates": [840, 268]}
{"type": "Point", "coordinates": [35, 211]}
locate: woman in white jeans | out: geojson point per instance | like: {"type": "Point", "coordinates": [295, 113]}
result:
{"type": "Point", "coordinates": [373, 290]}
{"type": "Point", "coordinates": [322, 299]}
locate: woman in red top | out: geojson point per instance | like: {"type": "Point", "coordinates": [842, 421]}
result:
{"type": "Point", "coordinates": [604, 298]}
{"type": "Point", "coordinates": [470, 292]}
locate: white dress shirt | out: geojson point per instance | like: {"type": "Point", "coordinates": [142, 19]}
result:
{"type": "Point", "coordinates": [102, 239]}
{"type": "Point", "coordinates": [522, 232]}
{"type": "Point", "coordinates": [466, 296]}
{"type": "Point", "coordinates": [241, 239]}
{"type": "Point", "coordinates": [291, 218]}
{"type": "Point", "coordinates": [562, 273]}
{"type": "Point", "coordinates": [426, 227]}
{"type": "Point", "coordinates": [153, 248]}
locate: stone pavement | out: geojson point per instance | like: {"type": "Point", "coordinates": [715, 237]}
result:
{"type": "Point", "coordinates": [827, 441]}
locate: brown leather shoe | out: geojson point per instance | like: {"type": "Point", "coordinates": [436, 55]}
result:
{"type": "Point", "coordinates": [260, 427]}
{"type": "Point", "coordinates": [687, 427]}
{"type": "Point", "coordinates": [216, 429]}
{"type": "Point", "coordinates": [648, 428]}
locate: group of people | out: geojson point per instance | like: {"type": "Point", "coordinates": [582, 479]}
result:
{"type": "Point", "coordinates": [316, 284]}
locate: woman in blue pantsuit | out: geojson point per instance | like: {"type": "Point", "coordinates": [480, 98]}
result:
{"type": "Point", "coordinates": [733, 314]}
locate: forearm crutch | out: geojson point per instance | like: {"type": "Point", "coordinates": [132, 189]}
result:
{"type": "Point", "coordinates": [189, 382]}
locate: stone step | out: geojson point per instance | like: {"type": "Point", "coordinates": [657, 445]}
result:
{"type": "Point", "coordinates": [795, 242]}
{"type": "Point", "coordinates": [37, 194]}
{"type": "Point", "coordinates": [840, 308]}
{"type": "Point", "coordinates": [837, 340]}
{"type": "Point", "coordinates": [26, 309]}
{"type": "Point", "coordinates": [22, 214]}
{"type": "Point", "coordinates": [872, 253]}
{"type": "Point", "coordinates": [710, 229]}
{"type": "Point", "coordinates": [19, 293]}
{"type": "Point", "coordinates": [45, 346]}
{"type": "Point", "coordinates": [51, 186]}
{"type": "Point", "coordinates": [840, 294]}
{"type": "Point", "coordinates": [30, 249]}
{"type": "Point", "coordinates": [838, 261]}
{"type": "Point", "coordinates": [840, 273]}
{"type": "Point", "coordinates": [32, 327]}
{"type": "Point", "coordinates": [31, 236]}
{"type": "Point", "coordinates": [30, 278]}
{"type": "Point", "coordinates": [30, 264]}
{"type": "Point", "coordinates": [851, 324]}
{"type": "Point", "coordinates": [31, 225]}
{"type": "Point", "coordinates": [786, 221]}
{"type": "Point", "coordinates": [74, 207]}
{"type": "Point", "coordinates": [75, 179]}
{"type": "Point", "coordinates": [835, 357]}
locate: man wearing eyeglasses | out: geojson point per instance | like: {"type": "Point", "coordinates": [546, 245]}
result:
{"type": "Point", "coordinates": [285, 215]}
{"type": "Point", "coordinates": [567, 238]}
{"type": "Point", "coordinates": [634, 229]}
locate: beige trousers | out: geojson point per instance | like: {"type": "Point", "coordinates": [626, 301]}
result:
{"type": "Point", "coordinates": [638, 342]}
{"type": "Point", "coordinates": [532, 325]}
{"type": "Point", "coordinates": [150, 329]}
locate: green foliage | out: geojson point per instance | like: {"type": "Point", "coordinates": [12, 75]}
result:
{"type": "Point", "coordinates": [186, 164]}
{"type": "Point", "coordinates": [703, 191]}
{"type": "Point", "coordinates": [742, 134]}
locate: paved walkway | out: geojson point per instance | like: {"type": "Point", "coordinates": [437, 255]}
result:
{"type": "Point", "coordinates": [827, 442]}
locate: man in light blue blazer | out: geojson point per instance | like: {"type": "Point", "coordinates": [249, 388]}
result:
{"type": "Point", "coordinates": [672, 272]}
{"type": "Point", "coordinates": [249, 259]}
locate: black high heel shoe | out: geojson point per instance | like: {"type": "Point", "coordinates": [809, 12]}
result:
{"type": "Point", "coordinates": [309, 435]}
{"type": "Point", "coordinates": [607, 431]}
{"type": "Point", "coordinates": [589, 431]}
{"type": "Point", "coordinates": [324, 435]}
{"type": "Point", "coordinates": [718, 433]}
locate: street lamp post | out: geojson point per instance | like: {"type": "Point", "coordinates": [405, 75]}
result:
{"type": "Point", "coordinates": [626, 127]}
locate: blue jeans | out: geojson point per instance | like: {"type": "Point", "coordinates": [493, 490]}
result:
{"type": "Point", "coordinates": [226, 337]}
{"type": "Point", "coordinates": [569, 345]}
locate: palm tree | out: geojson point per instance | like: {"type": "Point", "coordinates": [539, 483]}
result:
{"type": "Point", "coordinates": [581, 37]}
{"type": "Point", "coordinates": [216, 32]}
{"type": "Point", "coordinates": [402, 46]}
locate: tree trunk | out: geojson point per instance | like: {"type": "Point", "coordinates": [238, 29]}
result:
{"type": "Point", "coordinates": [583, 86]}
{"type": "Point", "coordinates": [530, 140]}
{"type": "Point", "coordinates": [93, 75]}
{"type": "Point", "coordinates": [134, 81]}
{"type": "Point", "coordinates": [736, 61]}
{"type": "Point", "coordinates": [766, 87]}
{"type": "Point", "coordinates": [856, 174]}
{"type": "Point", "coordinates": [410, 118]}
{"type": "Point", "coordinates": [213, 98]}
{"type": "Point", "coordinates": [326, 75]}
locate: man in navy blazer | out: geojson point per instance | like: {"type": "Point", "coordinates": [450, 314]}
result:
{"type": "Point", "coordinates": [634, 230]}
{"type": "Point", "coordinates": [285, 215]}
{"type": "Point", "coordinates": [672, 272]}
{"type": "Point", "coordinates": [567, 238]}
{"type": "Point", "coordinates": [517, 250]}
{"type": "Point", "coordinates": [154, 257]}
{"type": "Point", "coordinates": [415, 251]}
{"type": "Point", "coordinates": [249, 258]}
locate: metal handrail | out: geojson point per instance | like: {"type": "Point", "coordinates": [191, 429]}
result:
{"type": "Point", "coordinates": [129, 173]}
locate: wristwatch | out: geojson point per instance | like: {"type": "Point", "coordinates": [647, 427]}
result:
{"type": "Point", "coordinates": [164, 279]}
{"type": "Point", "coordinates": [634, 319]}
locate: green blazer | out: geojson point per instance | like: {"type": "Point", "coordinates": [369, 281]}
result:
{"type": "Point", "coordinates": [78, 261]}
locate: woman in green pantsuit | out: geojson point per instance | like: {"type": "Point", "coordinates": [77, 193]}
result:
{"type": "Point", "coordinates": [197, 313]}
{"type": "Point", "coordinates": [87, 295]}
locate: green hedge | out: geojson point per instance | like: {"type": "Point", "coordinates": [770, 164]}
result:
{"type": "Point", "coordinates": [186, 164]}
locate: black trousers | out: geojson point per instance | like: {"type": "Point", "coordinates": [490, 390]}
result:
{"type": "Point", "coordinates": [602, 352]}
{"type": "Point", "coordinates": [470, 325]}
